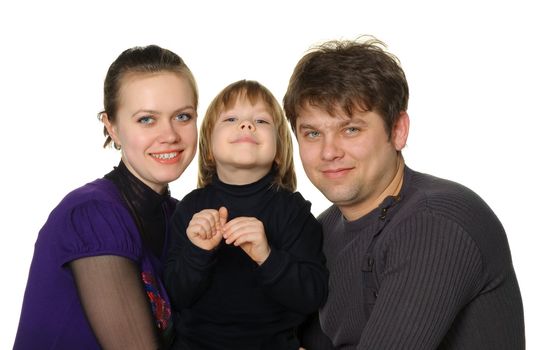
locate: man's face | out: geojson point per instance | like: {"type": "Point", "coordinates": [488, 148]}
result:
{"type": "Point", "coordinates": [351, 160]}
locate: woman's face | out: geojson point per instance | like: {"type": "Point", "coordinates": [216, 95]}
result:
{"type": "Point", "coordinates": [155, 126]}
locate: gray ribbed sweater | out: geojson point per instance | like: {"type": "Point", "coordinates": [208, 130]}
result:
{"type": "Point", "coordinates": [444, 274]}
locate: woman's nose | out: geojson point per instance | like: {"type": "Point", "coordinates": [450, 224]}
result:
{"type": "Point", "coordinates": [168, 133]}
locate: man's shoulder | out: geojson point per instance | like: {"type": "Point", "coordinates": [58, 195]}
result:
{"type": "Point", "coordinates": [436, 197]}
{"type": "Point", "coordinates": [447, 206]}
{"type": "Point", "coordinates": [331, 214]}
{"type": "Point", "coordinates": [434, 191]}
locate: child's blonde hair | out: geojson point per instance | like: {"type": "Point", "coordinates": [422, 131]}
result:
{"type": "Point", "coordinates": [253, 92]}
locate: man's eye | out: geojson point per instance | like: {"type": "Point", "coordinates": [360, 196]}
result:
{"type": "Point", "coordinates": [312, 134]}
{"type": "Point", "coordinates": [351, 130]}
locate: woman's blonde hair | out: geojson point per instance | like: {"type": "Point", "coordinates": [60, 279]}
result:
{"type": "Point", "coordinates": [252, 91]}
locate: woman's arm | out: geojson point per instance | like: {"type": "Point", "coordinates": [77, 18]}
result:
{"type": "Point", "coordinates": [115, 302]}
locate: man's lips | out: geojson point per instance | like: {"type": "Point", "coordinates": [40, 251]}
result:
{"type": "Point", "coordinates": [336, 172]}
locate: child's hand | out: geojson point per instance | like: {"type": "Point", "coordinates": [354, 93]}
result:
{"type": "Point", "coordinates": [206, 228]}
{"type": "Point", "coordinates": [249, 234]}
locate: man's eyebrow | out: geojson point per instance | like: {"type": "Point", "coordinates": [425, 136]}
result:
{"type": "Point", "coordinates": [342, 123]}
{"type": "Point", "coordinates": [306, 126]}
{"type": "Point", "coordinates": [355, 121]}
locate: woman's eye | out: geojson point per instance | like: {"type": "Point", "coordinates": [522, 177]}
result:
{"type": "Point", "coordinates": [183, 117]}
{"type": "Point", "coordinates": [145, 120]}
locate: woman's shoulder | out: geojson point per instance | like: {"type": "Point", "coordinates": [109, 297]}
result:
{"type": "Point", "coordinates": [97, 199]}
{"type": "Point", "coordinates": [89, 220]}
{"type": "Point", "coordinates": [97, 190]}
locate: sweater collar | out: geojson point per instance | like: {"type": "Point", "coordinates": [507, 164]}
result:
{"type": "Point", "coordinates": [144, 199]}
{"type": "Point", "coordinates": [384, 207]}
{"type": "Point", "coordinates": [259, 186]}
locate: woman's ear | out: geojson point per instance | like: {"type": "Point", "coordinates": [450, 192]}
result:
{"type": "Point", "coordinates": [111, 129]}
{"type": "Point", "coordinates": [399, 134]}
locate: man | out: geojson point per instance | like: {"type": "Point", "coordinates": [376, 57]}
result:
{"type": "Point", "coordinates": [416, 262]}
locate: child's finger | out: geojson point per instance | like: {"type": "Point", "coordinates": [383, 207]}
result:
{"type": "Point", "coordinates": [222, 217]}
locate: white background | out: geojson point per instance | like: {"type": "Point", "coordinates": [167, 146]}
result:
{"type": "Point", "coordinates": [473, 68]}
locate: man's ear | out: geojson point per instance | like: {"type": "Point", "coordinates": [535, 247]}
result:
{"type": "Point", "coordinates": [111, 129]}
{"type": "Point", "coordinates": [399, 134]}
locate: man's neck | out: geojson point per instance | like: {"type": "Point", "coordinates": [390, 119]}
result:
{"type": "Point", "coordinates": [396, 183]}
{"type": "Point", "coordinates": [393, 189]}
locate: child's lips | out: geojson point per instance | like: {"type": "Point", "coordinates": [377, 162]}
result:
{"type": "Point", "coordinates": [245, 139]}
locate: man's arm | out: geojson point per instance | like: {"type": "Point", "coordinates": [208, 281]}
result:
{"type": "Point", "coordinates": [433, 268]}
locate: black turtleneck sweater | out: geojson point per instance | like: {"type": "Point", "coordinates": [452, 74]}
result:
{"type": "Point", "coordinates": [150, 210]}
{"type": "Point", "coordinates": [223, 299]}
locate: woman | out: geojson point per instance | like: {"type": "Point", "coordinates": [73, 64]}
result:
{"type": "Point", "coordinates": [95, 278]}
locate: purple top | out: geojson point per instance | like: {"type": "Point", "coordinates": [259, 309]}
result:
{"type": "Point", "coordinates": [90, 221]}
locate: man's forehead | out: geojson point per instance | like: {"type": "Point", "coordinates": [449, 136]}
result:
{"type": "Point", "coordinates": [311, 114]}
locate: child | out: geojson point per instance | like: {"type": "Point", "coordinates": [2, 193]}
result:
{"type": "Point", "coordinates": [245, 264]}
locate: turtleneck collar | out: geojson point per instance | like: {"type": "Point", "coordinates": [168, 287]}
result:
{"type": "Point", "coordinates": [144, 199]}
{"type": "Point", "coordinates": [146, 206]}
{"type": "Point", "coordinates": [245, 190]}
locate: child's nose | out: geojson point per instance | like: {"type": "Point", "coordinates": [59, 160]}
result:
{"type": "Point", "coordinates": [247, 125]}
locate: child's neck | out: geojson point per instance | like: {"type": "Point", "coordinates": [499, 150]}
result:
{"type": "Point", "coordinates": [237, 176]}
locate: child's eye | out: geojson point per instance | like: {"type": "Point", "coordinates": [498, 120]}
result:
{"type": "Point", "coordinates": [145, 120]}
{"type": "Point", "coordinates": [230, 119]}
{"type": "Point", "coordinates": [183, 117]}
{"type": "Point", "coordinates": [262, 121]}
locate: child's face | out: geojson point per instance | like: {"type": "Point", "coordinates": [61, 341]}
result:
{"type": "Point", "coordinates": [244, 142]}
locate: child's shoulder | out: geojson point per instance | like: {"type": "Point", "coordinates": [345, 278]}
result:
{"type": "Point", "coordinates": [197, 199]}
{"type": "Point", "coordinates": [192, 197]}
{"type": "Point", "coordinates": [292, 199]}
